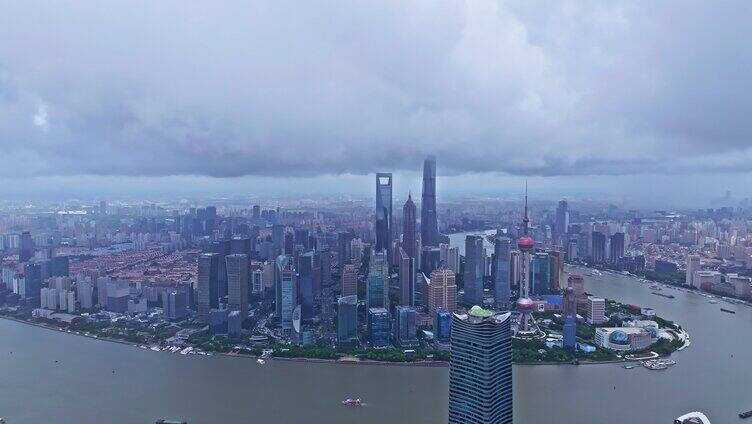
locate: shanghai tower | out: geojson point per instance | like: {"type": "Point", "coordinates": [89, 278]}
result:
{"type": "Point", "coordinates": [429, 226]}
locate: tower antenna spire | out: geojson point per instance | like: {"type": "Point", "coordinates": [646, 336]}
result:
{"type": "Point", "coordinates": [525, 220]}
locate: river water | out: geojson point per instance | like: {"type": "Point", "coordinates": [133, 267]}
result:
{"type": "Point", "coordinates": [82, 388]}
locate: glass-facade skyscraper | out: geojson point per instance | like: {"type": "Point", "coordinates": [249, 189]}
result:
{"type": "Point", "coordinates": [540, 274]}
{"type": "Point", "coordinates": [473, 274]}
{"type": "Point", "coordinates": [409, 234]}
{"type": "Point", "coordinates": [379, 326]}
{"type": "Point", "coordinates": [501, 272]}
{"type": "Point", "coordinates": [480, 373]}
{"type": "Point", "coordinates": [237, 283]}
{"type": "Point", "coordinates": [208, 284]}
{"type": "Point", "coordinates": [429, 225]}
{"type": "Point", "coordinates": [347, 320]}
{"type": "Point", "coordinates": [286, 293]}
{"type": "Point", "coordinates": [305, 285]}
{"type": "Point", "coordinates": [375, 291]}
{"type": "Point", "coordinates": [384, 211]}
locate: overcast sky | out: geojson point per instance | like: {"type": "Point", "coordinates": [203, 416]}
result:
{"type": "Point", "coordinates": [578, 96]}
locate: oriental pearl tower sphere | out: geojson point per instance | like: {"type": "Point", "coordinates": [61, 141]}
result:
{"type": "Point", "coordinates": [526, 245]}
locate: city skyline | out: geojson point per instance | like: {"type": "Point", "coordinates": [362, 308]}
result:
{"type": "Point", "coordinates": [375, 212]}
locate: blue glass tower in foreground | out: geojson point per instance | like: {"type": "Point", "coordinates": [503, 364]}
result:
{"type": "Point", "coordinates": [480, 373]}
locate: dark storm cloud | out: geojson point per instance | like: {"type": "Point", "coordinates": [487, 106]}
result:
{"type": "Point", "coordinates": [308, 88]}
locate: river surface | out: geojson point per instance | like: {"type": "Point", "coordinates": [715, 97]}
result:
{"type": "Point", "coordinates": [146, 385]}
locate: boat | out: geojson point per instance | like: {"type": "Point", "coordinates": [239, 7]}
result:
{"type": "Point", "coordinates": [729, 311]}
{"type": "Point", "coordinates": [655, 287]}
{"type": "Point", "coordinates": [658, 364]}
{"type": "Point", "coordinates": [692, 418]}
{"type": "Point", "coordinates": [352, 402]}
{"type": "Point", "coordinates": [744, 415]}
{"type": "Point", "coordinates": [667, 296]}
{"type": "Point", "coordinates": [713, 302]}
{"type": "Point", "coordinates": [260, 361]}
{"type": "Point", "coordinates": [629, 366]}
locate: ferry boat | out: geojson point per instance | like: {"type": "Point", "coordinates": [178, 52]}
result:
{"type": "Point", "coordinates": [658, 364]}
{"type": "Point", "coordinates": [692, 418]}
{"type": "Point", "coordinates": [352, 402]}
{"type": "Point", "coordinates": [260, 361]}
{"type": "Point", "coordinates": [667, 296]}
{"type": "Point", "coordinates": [728, 311]}
{"type": "Point", "coordinates": [744, 415]}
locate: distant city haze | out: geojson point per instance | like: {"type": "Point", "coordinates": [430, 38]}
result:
{"type": "Point", "coordinates": [584, 99]}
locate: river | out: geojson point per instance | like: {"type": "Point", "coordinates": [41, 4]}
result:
{"type": "Point", "coordinates": [82, 388]}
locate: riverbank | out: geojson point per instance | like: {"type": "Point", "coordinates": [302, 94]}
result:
{"type": "Point", "coordinates": [340, 361]}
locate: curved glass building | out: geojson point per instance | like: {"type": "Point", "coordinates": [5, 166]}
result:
{"type": "Point", "coordinates": [480, 373]}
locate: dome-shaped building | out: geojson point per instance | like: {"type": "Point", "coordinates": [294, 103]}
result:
{"type": "Point", "coordinates": [619, 337]}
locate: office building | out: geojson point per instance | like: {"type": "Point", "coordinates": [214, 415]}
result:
{"type": "Point", "coordinates": [453, 259]}
{"type": "Point", "coordinates": [405, 327]}
{"type": "Point", "coordinates": [473, 273]}
{"type": "Point", "coordinates": [442, 327]}
{"type": "Point", "coordinates": [278, 240]}
{"type": "Point", "coordinates": [237, 283]}
{"type": "Point", "coordinates": [176, 305]}
{"type": "Point", "coordinates": [32, 283]}
{"type": "Point", "coordinates": [384, 222]}
{"type": "Point", "coordinates": [234, 324]}
{"type": "Point", "coordinates": [60, 266]}
{"type": "Point", "coordinates": [407, 275]}
{"type": "Point", "coordinates": [221, 248]}
{"type": "Point", "coordinates": [207, 284]}
{"type": "Point", "coordinates": [501, 272]}
{"type": "Point", "coordinates": [441, 291]}
{"type": "Point", "coordinates": [257, 282]}
{"type": "Point", "coordinates": [26, 247]}
{"type": "Point", "coordinates": [430, 258]}
{"type": "Point", "coordinates": [540, 274]}
{"type": "Point", "coordinates": [429, 226]}
{"type": "Point", "coordinates": [693, 265]}
{"type": "Point", "coordinates": [218, 321]}
{"type": "Point", "coordinates": [599, 247]}
{"type": "Point", "coordinates": [480, 372]}
{"type": "Point", "coordinates": [561, 224]}
{"type": "Point", "coordinates": [409, 230]}
{"type": "Point", "coordinates": [118, 293]}
{"type": "Point", "coordinates": [556, 260]}
{"type": "Point", "coordinates": [616, 247]}
{"type": "Point", "coordinates": [349, 280]}
{"type": "Point", "coordinates": [379, 326]}
{"type": "Point", "coordinates": [347, 320]}
{"type": "Point", "coordinates": [569, 331]}
{"type": "Point", "coordinates": [707, 280]}
{"type": "Point", "coordinates": [305, 285]}
{"type": "Point", "coordinates": [285, 292]}
{"type": "Point", "coordinates": [375, 292]}
{"type": "Point", "coordinates": [596, 310]}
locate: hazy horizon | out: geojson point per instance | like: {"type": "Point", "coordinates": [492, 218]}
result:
{"type": "Point", "coordinates": [281, 98]}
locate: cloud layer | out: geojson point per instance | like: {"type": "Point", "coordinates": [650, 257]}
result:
{"type": "Point", "coordinates": [282, 88]}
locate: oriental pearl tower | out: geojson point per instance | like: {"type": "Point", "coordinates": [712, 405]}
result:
{"type": "Point", "coordinates": [526, 244]}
